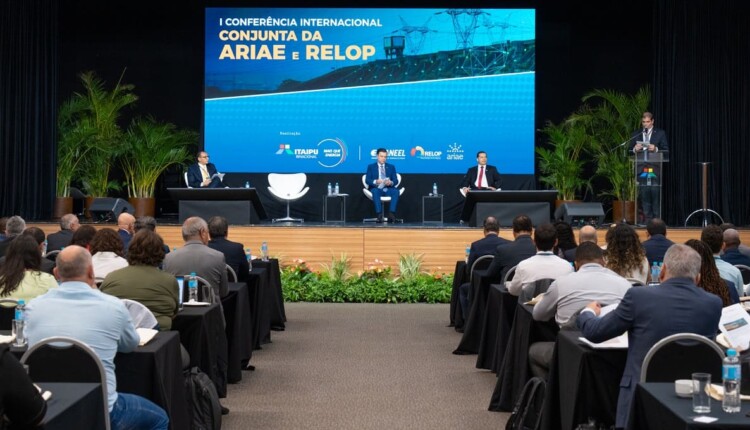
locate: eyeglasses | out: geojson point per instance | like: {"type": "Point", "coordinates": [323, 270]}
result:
{"type": "Point", "coordinates": [204, 156]}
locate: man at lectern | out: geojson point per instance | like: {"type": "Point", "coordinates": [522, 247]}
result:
{"type": "Point", "coordinates": [482, 176]}
{"type": "Point", "coordinates": [203, 174]}
{"type": "Point", "coordinates": [651, 139]}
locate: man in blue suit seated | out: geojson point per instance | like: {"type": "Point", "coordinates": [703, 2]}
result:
{"type": "Point", "coordinates": [203, 174]}
{"type": "Point", "coordinates": [382, 180]}
{"type": "Point", "coordinates": [649, 314]}
{"type": "Point", "coordinates": [657, 244]}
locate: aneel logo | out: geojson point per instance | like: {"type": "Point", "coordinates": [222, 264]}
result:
{"type": "Point", "coordinates": [331, 152]}
{"type": "Point", "coordinates": [394, 154]}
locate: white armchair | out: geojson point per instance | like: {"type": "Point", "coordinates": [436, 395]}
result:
{"type": "Point", "coordinates": [383, 199]}
{"type": "Point", "coordinates": [287, 188]}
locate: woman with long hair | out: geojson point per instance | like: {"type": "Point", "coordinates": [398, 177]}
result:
{"type": "Point", "coordinates": [625, 255]}
{"type": "Point", "coordinates": [710, 279]}
{"type": "Point", "coordinates": [566, 239]}
{"type": "Point", "coordinates": [20, 274]}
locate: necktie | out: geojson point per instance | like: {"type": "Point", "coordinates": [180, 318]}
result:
{"type": "Point", "coordinates": [481, 173]}
{"type": "Point", "coordinates": [204, 171]}
{"type": "Point", "coordinates": [648, 136]}
{"type": "Point", "coordinates": [382, 171]}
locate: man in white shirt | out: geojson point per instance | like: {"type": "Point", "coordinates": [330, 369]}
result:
{"type": "Point", "coordinates": [544, 265]}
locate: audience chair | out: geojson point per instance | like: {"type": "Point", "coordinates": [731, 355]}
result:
{"type": "Point", "coordinates": [185, 178]}
{"type": "Point", "coordinates": [679, 355]}
{"type": "Point", "coordinates": [287, 188]}
{"type": "Point", "coordinates": [509, 274]}
{"type": "Point", "coordinates": [7, 313]}
{"type": "Point", "coordinates": [141, 315]}
{"type": "Point", "coordinates": [52, 255]}
{"type": "Point", "coordinates": [534, 289]}
{"type": "Point", "coordinates": [635, 282]}
{"type": "Point", "coordinates": [383, 199]}
{"type": "Point", "coordinates": [64, 359]}
{"type": "Point", "coordinates": [745, 270]}
{"type": "Point", "coordinates": [231, 274]}
{"type": "Point", "coordinates": [205, 291]}
{"type": "Point", "coordinates": [480, 263]}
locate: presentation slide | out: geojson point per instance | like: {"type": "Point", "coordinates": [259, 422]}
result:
{"type": "Point", "coordinates": [319, 90]}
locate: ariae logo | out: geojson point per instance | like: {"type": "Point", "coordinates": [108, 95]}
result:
{"type": "Point", "coordinates": [331, 152]}
{"type": "Point", "coordinates": [455, 152]}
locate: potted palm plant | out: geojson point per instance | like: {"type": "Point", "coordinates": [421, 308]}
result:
{"type": "Point", "coordinates": [561, 163]}
{"type": "Point", "coordinates": [149, 149]}
{"type": "Point", "coordinates": [71, 149]}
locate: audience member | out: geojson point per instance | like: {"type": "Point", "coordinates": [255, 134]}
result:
{"type": "Point", "coordinates": [544, 265]}
{"type": "Point", "coordinates": [234, 253]}
{"type": "Point", "coordinates": [142, 280]}
{"type": "Point", "coordinates": [78, 310]}
{"type": "Point", "coordinates": [14, 227]}
{"type": "Point", "coordinates": [148, 222]}
{"type": "Point", "coordinates": [508, 255]}
{"type": "Point", "coordinates": [21, 404]}
{"type": "Point", "coordinates": [3, 221]}
{"type": "Point", "coordinates": [196, 257]}
{"type": "Point", "coordinates": [587, 233]}
{"type": "Point", "coordinates": [566, 239]}
{"type": "Point", "coordinates": [479, 248]}
{"type": "Point", "coordinates": [625, 255]}
{"type": "Point", "coordinates": [650, 314]}
{"type": "Point", "coordinates": [20, 277]}
{"type": "Point", "coordinates": [107, 255]}
{"type": "Point", "coordinates": [710, 278]}
{"type": "Point", "coordinates": [714, 238]}
{"type": "Point", "coordinates": [37, 233]}
{"type": "Point", "coordinates": [83, 236]}
{"type": "Point", "coordinates": [744, 249]}
{"type": "Point", "coordinates": [571, 293]}
{"type": "Point", "coordinates": [68, 225]}
{"type": "Point", "coordinates": [125, 228]}
{"type": "Point", "coordinates": [657, 243]}
{"type": "Point", "coordinates": [731, 250]}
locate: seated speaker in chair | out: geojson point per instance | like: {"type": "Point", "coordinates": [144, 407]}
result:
{"type": "Point", "coordinates": [482, 176]}
{"type": "Point", "coordinates": [383, 182]}
{"type": "Point", "coordinates": [203, 174]}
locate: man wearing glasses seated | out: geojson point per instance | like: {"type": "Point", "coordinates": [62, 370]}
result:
{"type": "Point", "coordinates": [203, 174]}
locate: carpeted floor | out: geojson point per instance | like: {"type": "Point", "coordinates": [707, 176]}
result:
{"type": "Point", "coordinates": [363, 366]}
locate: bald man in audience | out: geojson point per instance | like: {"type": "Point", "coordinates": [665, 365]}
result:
{"type": "Point", "coordinates": [587, 233]}
{"type": "Point", "coordinates": [732, 254]}
{"type": "Point", "coordinates": [744, 249]}
{"type": "Point", "coordinates": [79, 310]}
{"type": "Point", "coordinates": [126, 229]}
{"type": "Point", "coordinates": [650, 314]}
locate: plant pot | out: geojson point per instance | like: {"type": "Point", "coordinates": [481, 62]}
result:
{"type": "Point", "coordinates": [86, 206]}
{"type": "Point", "coordinates": [617, 211]}
{"type": "Point", "coordinates": [144, 206]}
{"type": "Point", "coordinates": [63, 205]}
{"type": "Point", "coordinates": [559, 202]}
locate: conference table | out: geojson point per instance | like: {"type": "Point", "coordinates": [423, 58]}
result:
{"type": "Point", "coordinates": [276, 311]}
{"type": "Point", "coordinates": [470, 340]}
{"type": "Point", "coordinates": [656, 406]}
{"type": "Point", "coordinates": [73, 405]}
{"type": "Point", "coordinates": [583, 383]}
{"type": "Point", "coordinates": [239, 330]}
{"type": "Point", "coordinates": [460, 276]}
{"type": "Point", "coordinates": [496, 327]}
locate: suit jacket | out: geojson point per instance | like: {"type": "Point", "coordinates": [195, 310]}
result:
{"type": "Point", "coordinates": [373, 174]}
{"type": "Point", "coordinates": [656, 246]}
{"type": "Point", "coordinates": [195, 178]}
{"type": "Point", "coordinates": [509, 255]}
{"type": "Point", "coordinates": [484, 246]}
{"type": "Point", "coordinates": [57, 241]}
{"type": "Point", "coordinates": [570, 254]}
{"type": "Point", "coordinates": [207, 263]}
{"type": "Point", "coordinates": [234, 255]}
{"type": "Point", "coordinates": [4, 245]}
{"type": "Point", "coordinates": [734, 256]}
{"type": "Point", "coordinates": [650, 314]}
{"type": "Point", "coordinates": [125, 237]}
{"type": "Point", "coordinates": [490, 172]}
{"type": "Point", "coordinates": [658, 138]}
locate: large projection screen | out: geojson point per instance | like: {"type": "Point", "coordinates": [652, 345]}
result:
{"type": "Point", "coordinates": [319, 90]}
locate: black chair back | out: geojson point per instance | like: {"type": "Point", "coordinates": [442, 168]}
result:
{"type": "Point", "coordinates": [534, 289]}
{"type": "Point", "coordinates": [680, 355]}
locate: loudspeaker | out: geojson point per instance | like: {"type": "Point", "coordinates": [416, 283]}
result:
{"type": "Point", "coordinates": [108, 208]}
{"type": "Point", "coordinates": [580, 214]}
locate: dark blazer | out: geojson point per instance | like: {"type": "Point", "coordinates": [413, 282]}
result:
{"type": "Point", "coordinates": [658, 138]}
{"type": "Point", "coordinates": [195, 178]}
{"type": "Point", "coordinates": [57, 241]}
{"type": "Point", "coordinates": [4, 245]}
{"type": "Point", "coordinates": [509, 255]}
{"type": "Point", "coordinates": [125, 237]}
{"type": "Point", "coordinates": [656, 246]}
{"type": "Point", "coordinates": [373, 174]}
{"type": "Point", "coordinates": [650, 314]}
{"type": "Point", "coordinates": [234, 253]}
{"type": "Point", "coordinates": [491, 172]}
{"type": "Point", "coordinates": [570, 254]}
{"type": "Point", "coordinates": [484, 246]}
{"type": "Point", "coordinates": [734, 256]}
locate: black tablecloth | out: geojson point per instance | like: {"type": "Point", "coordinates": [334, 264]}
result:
{"type": "Point", "coordinates": [154, 371]}
{"type": "Point", "coordinates": [459, 277]}
{"type": "Point", "coordinates": [202, 334]}
{"type": "Point", "coordinates": [276, 312]}
{"type": "Point", "coordinates": [480, 286]}
{"type": "Point", "coordinates": [239, 330]}
{"type": "Point", "coordinates": [73, 405]}
{"type": "Point", "coordinates": [656, 406]}
{"type": "Point", "coordinates": [514, 371]}
{"type": "Point", "coordinates": [260, 308]}
{"type": "Point", "coordinates": [496, 326]}
{"type": "Point", "coordinates": [583, 383]}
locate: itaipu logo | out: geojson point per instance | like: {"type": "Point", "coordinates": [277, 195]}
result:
{"type": "Point", "coordinates": [455, 152]}
{"type": "Point", "coordinates": [331, 152]}
{"type": "Point", "coordinates": [419, 152]}
{"type": "Point", "coordinates": [299, 154]}
{"type": "Point", "coordinates": [285, 148]}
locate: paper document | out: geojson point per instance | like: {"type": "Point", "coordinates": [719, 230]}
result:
{"type": "Point", "coordinates": [735, 325]}
{"type": "Point", "coordinates": [146, 335]}
{"type": "Point", "coordinates": [618, 342]}
{"type": "Point", "coordinates": [218, 175]}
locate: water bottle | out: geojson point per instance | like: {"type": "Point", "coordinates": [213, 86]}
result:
{"type": "Point", "coordinates": [249, 256]}
{"type": "Point", "coordinates": [19, 324]}
{"type": "Point", "coordinates": [264, 251]}
{"type": "Point", "coordinates": [44, 249]}
{"type": "Point", "coordinates": [329, 189]}
{"type": "Point", "coordinates": [468, 251]}
{"type": "Point", "coordinates": [655, 271]}
{"type": "Point", "coordinates": [247, 184]}
{"type": "Point", "coordinates": [434, 189]}
{"type": "Point", "coordinates": [20, 307]}
{"type": "Point", "coordinates": [731, 374]}
{"type": "Point", "coordinates": [193, 287]}
{"type": "Point", "coordinates": [336, 189]}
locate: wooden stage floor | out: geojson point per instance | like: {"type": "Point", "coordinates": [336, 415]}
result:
{"type": "Point", "coordinates": [317, 244]}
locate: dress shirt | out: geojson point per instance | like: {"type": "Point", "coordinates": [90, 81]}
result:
{"type": "Point", "coordinates": [99, 320]}
{"type": "Point", "coordinates": [543, 265]}
{"type": "Point", "coordinates": [106, 262]}
{"type": "Point", "coordinates": [730, 273]}
{"type": "Point", "coordinates": [481, 177]}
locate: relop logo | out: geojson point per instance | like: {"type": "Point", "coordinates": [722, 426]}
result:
{"type": "Point", "coordinates": [420, 152]}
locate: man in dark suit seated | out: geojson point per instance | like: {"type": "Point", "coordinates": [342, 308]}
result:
{"type": "Point", "coordinates": [68, 225]}
{"type": "Point", "coordinates": [732, 254]}
{"type": "Point", "coordinates": [484, 246]}
{"type": "Point", "coordinates": [234, 252]}
{"type": "Point", "coordinates": [382, 180]}
{"type": "Point", "coordinates": [203, 174]}
{"type": "Point", "coordinates": [657, 244]}
{"type": "Point", "coordinates": [650, 314]}
{"type": "Point", "coordinates": [510, 254]}
{"type": "Point", "coordinates": [482, 176]}
{"type": "Point", "coordinates": [37, 233]}
{"type": "Point", "coordinates": [587, 233]}
{"type": "Point", "coordinates": [14, 227]}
